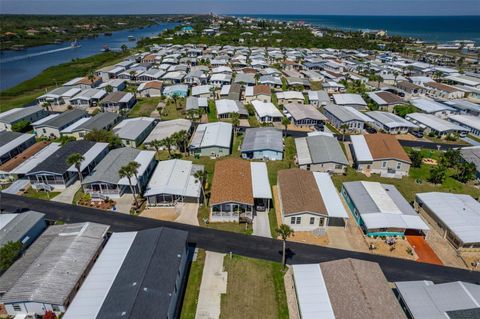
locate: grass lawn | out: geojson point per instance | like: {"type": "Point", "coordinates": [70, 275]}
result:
{"type": "Point", "coordinates": [287, 162]}
{"type": "Point", "coordinates": [171, 111]}
{"type": "Point", "coordinates": [408, 185]}
{"type": "Point", "coordinates": [52, 77]}
{"type": "Point", "coordinates": [190, 300]}
{"type": "Point", "coordinates": [473, 137]}
{"type": "Point", "coordinates": [316, 85]}
{"type": "Point", "coordinates": [78, 195]}
{"type": "Point", "coordinates": [212, 114]}
{"type": "Point", "coordinates": [237, 142]}
{"type": "Point", "coordinates": [255, 289]}
{"type": "Point", "coordinates": [435, 139]}
{"type": "Point", "coordinates": [332, 128]}
{"type": "Point", "coordinates": [242, 228]}
{"type": "Point", "coordinates": [144, 107]}
{"type": "Point", "coordinates": [32, 193]}
{"type": "Point", "coordinates": [252, 120]}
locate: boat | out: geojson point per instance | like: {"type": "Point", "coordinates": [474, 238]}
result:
{"type": "Point", "coordinates": [105, 48]}
{"type": "Point", "coordinates": [18, 47]}
{"type": "Point", "coordinates": [75, 44]}
{"type": "Point", "coordinates": [131, 38]}
{"type": "Point", "coordinates": [108, 34]}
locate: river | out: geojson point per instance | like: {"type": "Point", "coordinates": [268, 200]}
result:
{"type": "Point", "coordinates": [19, 66]}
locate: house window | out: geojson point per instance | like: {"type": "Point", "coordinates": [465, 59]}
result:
{"type": "Point", "coordinates": [399, 165]}
{"type": "Point", "coordinates": [55, 308]}
{"type": "Point", "coordinates": [16, 307]}
{"type": "Point", "coordinates": [312, 220]}
{"type": "Point", "coordinates": [321, 222]}
{"type": "Point", "coordinates": [338, 166]}
{"type": "Point", "coordinates": [292, 220]}
{"type": "Point", "coordinates": [299, 220]}
{"type": "Point", "coordinates": [384, 164]}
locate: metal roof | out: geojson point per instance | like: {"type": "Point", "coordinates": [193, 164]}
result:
{"type": "Point", "coordinates": [193, 103]}
{"type": "Point", "coordinates": [321, 96]}
{"type": "Point", "coordinates": [62, 119]}
{"type": "Point", "coordinates": [31, 162]}
{"type": "Point", "coordinates": [312, 294]}
{"type": "Point", "coordinates": [260, 182]}
{"type": "Point", "coordinates": [429, 106]}
{"type": "Point", "coordinates": [330, 197]}
{"type": "Point", "coordinates": [464, 105]}
{"type": "Point", "coordinates": [433, 122]}
{"type": "Point", "coordinates": [361, 149]}
{"type": "Point", "coordinates": [346, 113]}
{"type": "Point", "coordinates": [10, 140]}
{"type": "Point", "coordinates": [266, 109]}
{"type": "Point", "coordinates": [426, 300]}
{"type": "Point", "coordinates": [382, 206]}
{"type": "Point", "coordinates": [98, 122]}
{"type": "Point", "coordinates": [225, 106]}
{"type": "Point", "coordinates": [17, 114]}
{"type": "Point", "coordinates": [174, 177]}
{"type": "Point", "coordinates": [262, 138]}
{"type": "Point", "coordinates": [165, 129]}
{"type": "Point", "coordinates": [349, 99]}
{"type": "Point", "coordinates": [390, 120]}
{"type": "Point", "coordinates": [469, 121]}
{"type": "Point", "coordinates": [53, 275]}
{"type": "Point", "coordinates": [300, 112]}
{"type": "Point", "coordinates": [471, 155]}
{"type": "Point", "coordinates": [325, 149]}
{"type": "Point", "coordinates": [212, 134]}
{"type": "Point", "coordinates": [459, 212]}
{"type": "Point", "coordinates": [14, 226]}
{"type": "Point", "coordinates": [131, 129]}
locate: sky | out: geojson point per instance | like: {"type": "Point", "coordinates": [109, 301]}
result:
{"type": "Point", "coordinates": [325, 7]}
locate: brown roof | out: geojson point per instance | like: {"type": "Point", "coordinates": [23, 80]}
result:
{"type": "Point", "coordinates": [358, 289]}
{"type": "Point", "coordinates": [388, 97]}
{"type": "Point", "coordinates": [384, 146]}
{"type": "Point", "coordinates": [232, 182]}
{"type": "Point", "coordinates": [85, 80]}
{"type": "Point", "coordinates": [153, 85]}
{"type": "Point", "coordinates": [23, 156]}
{"type": "Point", "coordinates": [289, 62]}
{"type": "Point", "coordinates": [405, 85]}
{"type": "Point", "coordinates": [249, 70]}
{"type": "Point", "coordinates": [299, 192]}
{"type": "Point", "coordinates": [262, 89]}
{"type": "Point", "coordinates": [441, 87]}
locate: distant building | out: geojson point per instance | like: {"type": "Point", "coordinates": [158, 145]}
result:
{"type": "Point", "coordinates": [432, 107]}
{"type": "Point", "coordinates": [320, 153]}
{"type": "Point", "coordinates": [23, 228]}
{"type": "Point", "coordinates": [264, 143]}
{"type": "Point", "coordinates": [52, 125]}
{"type": "Point", "coordinates": [471, 123]}
{"type": "Point", "coordinates": [390, 123]}
{"type": "Point", "coordinates": [13, 143]}
{"type": "Point", "coordinates": [29, 114]}
{"type": "Point", "coordinates": [346, 116]}
{"type": "Point", "coordinates": [212, 139]}
{"type": "Point", "coordinates": [431, 124]}
{"type": "Point", "coordinates": [304, 115]}
{"type": "Point", "coordinates": [134, 131]}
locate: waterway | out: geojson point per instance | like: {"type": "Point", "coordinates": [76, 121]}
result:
{"type": "Point", "coordinates": [19, 66]}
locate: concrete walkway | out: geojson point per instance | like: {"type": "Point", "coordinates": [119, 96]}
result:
{"type": "Point", "coordinates": [261, 225]}
{"type": "Point", "coordinates": [214, 284]}
{"type": "Point", "coordinates": [188, 214]}
{"type": "Point", "coordinates": [124, 203]}
{"type": "Point", "coordinates": [67, 195]}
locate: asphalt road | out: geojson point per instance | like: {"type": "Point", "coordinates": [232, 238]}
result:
{"type": "Point", "coordinates": [245, 245]}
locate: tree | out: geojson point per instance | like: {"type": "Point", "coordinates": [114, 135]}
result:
{"type": "Point", "coordinates": [235, 122]}
{"type": "Point", "coordinates": [395, 76]}
{"type": "Point", "coordinates": [22, 126]}
{"type": "Point", "coordinates": [9, 253]}
{"type": "Point", "coordinates": [133, 75]}
{"type": "Point", "coordinates": [104, 136]}
{"type": "Point", "coordinates": [168, 142]}
{"type": "Point", "coordinates": [76, 160]}
{"type": "Point", "coordinates": [124, 48]}
{"type": "Point", "coordinates": [201, 177]}
{"type": "Point", "coordinates": [465, 172]}
{"type": "Point", "coordinates": [416, 158]}
{"type": "Point", "coordinates": [438, 174]}
{"type": "Point", "coordinates": [451, 158]}
{"type": "Point", "coordinates": [126, 171]}
{"type": "Point", "coordinates": [181, 139]}
{"type": "Point", "coordinates": [134, 166]}
{"type": "Point", "coordinates": [109, 88]}
{"type": "Point", "coordinates": [91, 77]}
{"type": "Point", "coordinates": [192, 115]}
{"type": "Point", "coordinates": [47, 106]}
{"type": "Point", "coordinates": [284, 231]}
{"type": "Point", "coordinates": [285, 123]}
{"type": "Point", "coordinates": [156, 144]}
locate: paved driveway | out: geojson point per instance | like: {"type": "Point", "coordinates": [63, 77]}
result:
{"type": "Point", "coordinates": [424, 252]}
{"type": "Point", "coordinates": [188, 214]}
{"type": "Point", "coordinates": [67, 195]}
{"type": "Point", "coordinates": [214, 284]}
{"type": "Point", "coordinates": [261, 225]}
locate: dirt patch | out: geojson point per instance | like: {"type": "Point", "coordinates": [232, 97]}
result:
{"type": "Point", "coordinates": [406, 137]}
{"type": "Point", "coordinates": [168, 214]}
{"type": "Point", "coordinates": [429, 161]}
{"type": "Point", "coordinates": [291, 295]}
{"type": "Point", "coordinates": [307, 237]}
{"type": "Point", "coordinates": [400, 249]}
{"type": "Point", "coordinates": [472, 260]}
{"type": "Point", "coordinates": [276, 203]}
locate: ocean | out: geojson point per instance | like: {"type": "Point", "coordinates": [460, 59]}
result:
{"type": "Point", "coordinates": [427, 28]}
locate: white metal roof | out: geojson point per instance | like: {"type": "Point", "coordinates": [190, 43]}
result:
{"type": "Point", "coordinates": [459, 212]}
{"type": "Point", "coordinates": [19, 140]}
{"type": "Point", "coordinates": [330, 197]}
{"type": "Point", "coordinates": [165, 129]}
{"type": "Point", "coordinates": [144, 158]}
{"type": "Point", "coordinates": [312, 293]}
{"type": "Point", "coordinates": [74, 125]}
{"type": "Point", "coordinates": [467, 120]}
{"type": "Point", "coordinates": [35, 159]}
{"type": "Point", "coordinates": [429, 106]}
{"type": "Point", "coordinates": [434, 122]}
{"type": "Point", "coordinates": [89, 299]}
{"type": "Point", "coordinates": [349, 99]}
{"type": "Point", "coordinates": [288, 95]}
{"type": "Point", "coordinates": [173, 177]}
{"type": "Point", "coordinates": [213, 134]}
{"type": "Point", "coordinates": [266, 109]}
{"type": "Point", "coordinates": [45, 119]}
{"type": "Point", "coordinates": [260, 182]}
{"type": "Point", "coordinates": [361, 149]}
{"type": "Point", "coordinates": [90, 156]}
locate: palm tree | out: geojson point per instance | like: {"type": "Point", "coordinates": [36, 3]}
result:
{"type": "Point", "coordinates": [109, 88]}
{"type": "Point", "coordinates": [285, 123]}
{"type": "Point", "coordinates": [124, 48]}
{"type": "Point", "coordinates": [91, 77]}
{"type": "Point", "coordinates": [212, 89]}
{"type": "Point", "coordinates": [168, 142]}
{"type": "Point", "coordinates": [192, 115]}
{"type": "Point", "coordinates": [235, 121]}
{"type": "Point", "coordinates": [156, 144]}
{"type": "Point", "coordinates": [201, 177]}
{"type": "Point", "coordinates": [181, 139]}
{"type": "Point", "coordinates": [76, 159]}
{"type": "Point", "coordinates": [285, 232]}
{"type": "Point", "coordinates": [344, 128]}
{"type": "Point", "coordinates": [126, 171]}
{"type": "Point", "coordinates": [46, 105]}
{"type": "Point", "coordinates": [395, 75]}
{"type": "Point", "coordinates": [134, 167]}
{"type": "Point", "coordinates": [132, 74]}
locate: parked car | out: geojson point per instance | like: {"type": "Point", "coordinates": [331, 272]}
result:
{"type": "Point", "coordinates": [418, 134]}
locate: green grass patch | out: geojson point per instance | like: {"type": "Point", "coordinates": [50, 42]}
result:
{"type": "Point", "coordinates": [242, 228]}
{"type": "Point", "coordinates": [473, 137]}
{"type": "Point", "coordinates": [172, 111]}
{"type": "Point", "coordinates": [212, 111]}
{"type": "Point", "coordinates": [144, 107]}
{"type": "Point", "coordinates": [255, 289]}
{"type": "Point", "coordinates": [32, 193]}
{"type": "Point", "coordinates": [192, 291]}
{"type": "Point", "coordinates": [332, 128]}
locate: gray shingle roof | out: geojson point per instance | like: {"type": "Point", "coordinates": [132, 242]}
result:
{"type": "Point", "coordinates": [7, 136]}
{"type": "Point", "coordinates": [107, 170]}
{"type": "Point", "coordinates": [65, 118]}
{"type": "Point", "coordinates": [325, 149]}
{"type": "Point", "coordinates": [262, 138]}
{"type": "Point", "coordinates": [152, 263]}
{"type": "Point", "coordinates": [20, 113]}
{"type": "Point", "coordinates": [19, 226]}
{"type": "Point", "coordinates": [99, 122]}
